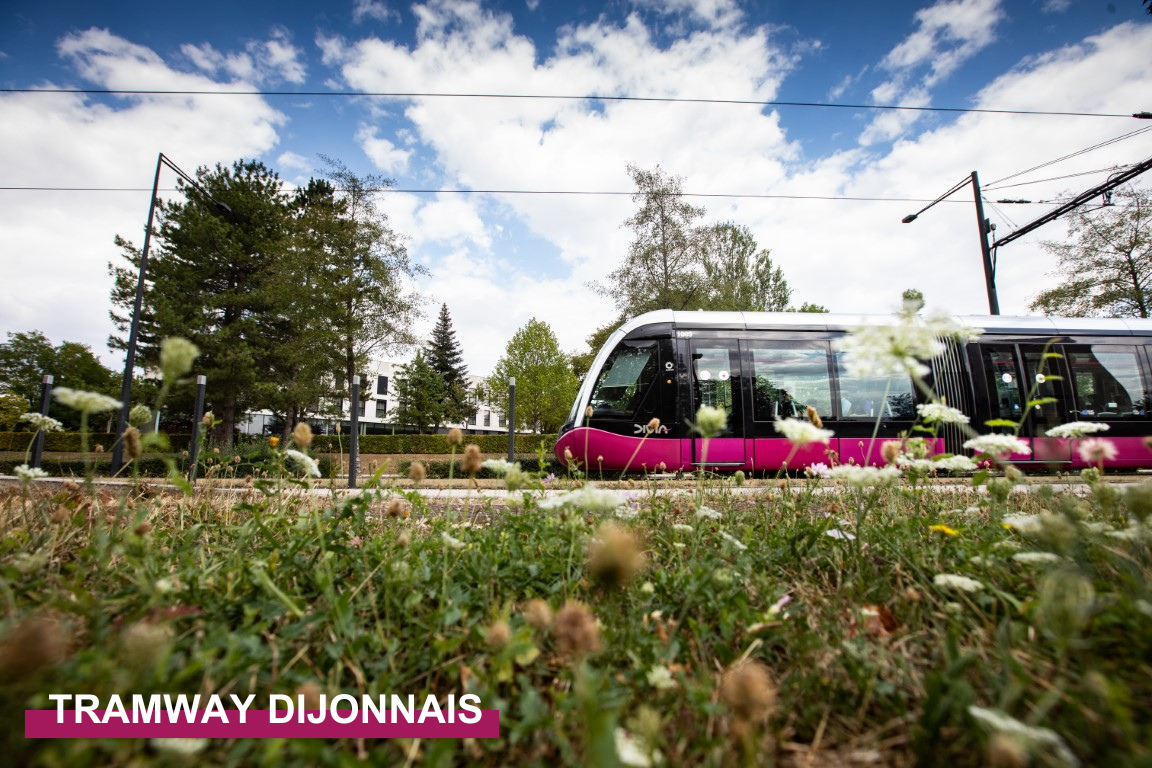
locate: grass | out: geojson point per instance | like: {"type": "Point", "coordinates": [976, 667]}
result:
{"type": "Point", "coordinates": [729, 629]}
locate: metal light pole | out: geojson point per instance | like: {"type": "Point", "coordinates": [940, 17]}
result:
{"type": "Point", "coordinates": [134, 329]}
{"type": "Point", "coordinates": [45, 401]}
{"type": "Point", "coordinates": [512, 418]}
{"type": "Point", "coordinates": [194, 450]}
{"type": "Point", "coordinates": [984, 227]}
{"type": "Point", "coordinates": [354, 438]}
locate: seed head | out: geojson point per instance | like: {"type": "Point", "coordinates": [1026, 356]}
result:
{"type": "Point", "coordinates": [890, 450]}
{"type": "Point", "coordinates": [498, 635]}
{"type": "Point", "coordinates": [653, 425]}
{"type": "Point", "coordinates": [455, 436]}
{"type": "Point", "coordinates": [311, 692]}
{"type": "Point", "coordinates": [207, 420]}
{"type": "Point", "coordinates": [471, 463]}
{"type": "Point", "coordinates": [140, 414]}
{"type": "Point", "coordinates": [302, 435]}
{"type": "Point", "coordinates": [36, 642]}
{"type": "Point", "coordinates": [748, 691]}
{"type": "Point", "coordinates": [132, 446]}
{"type": "Point", "coordinates": [537, 613]}
{"type": "Point", "coordinates": [614, 557]}
{"type": "Point", "coordinates": [397, 508]}
{"type": "Point", "coordinates": [417, 472]}
{"type": "Point", "coordinates": [588, 412]}
{"type": "Point", "coordinates": [575, 630]}
{"type": "Point", "coordinates": [814, 417]}
{"type": "Point", "coordinates": [176, 357]}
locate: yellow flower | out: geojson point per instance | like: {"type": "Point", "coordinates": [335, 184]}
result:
{"type": "Point", "coordinates": [939, 528]}
{"type": "Point", "coordinates": [273, 441]}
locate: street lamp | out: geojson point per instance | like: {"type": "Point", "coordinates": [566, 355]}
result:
{"type": "Point", "coordinates": [984, 226]}
{"type": "Point", "coordinates": [134, 329]}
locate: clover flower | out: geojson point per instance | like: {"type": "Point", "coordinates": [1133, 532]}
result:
{"type": "Point", "coordinates": [575, 630]}
{"type": "Point", "coordinates": [957, 582]}
{"type": "Point", "coordinates": [305, 461]}
{"type": "Point", "coordinates": [537, 613]}
{"type": "Point", "coordinates": [40, 421]}
{"type": "Point", "coordinates": [176, 357]}
{"type": "Point", "coordinates": [1077, 429]}
{"type": "Point", "coordinates": [938, 413]}
{"type": "Point", "coordinates": [801, 432]}
{"type": "Point", "coordinates": [1095, 450]}
{"type": "Point", "coordinates": [84, 401]}
{"type": "Point", "coordinates": [996, 444]}
{"type": "Point", "coordinates": [748, 692]}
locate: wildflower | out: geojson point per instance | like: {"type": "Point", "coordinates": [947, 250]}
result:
{"type": "Point", "coordinates": [588, 412]}
{"type": "Point", "coordinates": [954, 464]}
{"type": "Point", "coordinates": [878, 351]}
{"type": "Point", "coordinates": [1096, 450]}
{"type": "Point", "coordinates": [537, 613]}
{"type": "Point", "coordinates": [1037, 558]}
{"type": "Point", "coordinates": [167, 586]}
{"type": "Point", "coordinates": [682, 527]}
{"type": "Point", "coordinates": [568, 456]}
{"type": "Point", "coordinates": [143, 644]}
{"type": "Point", "coordinates": [615, 556]}
{"type": "Point", "coordinates": [208, 419]}
{"type": "Point", "coordinates": [179, 745]}
{"type": "Point", "coordinates": [938, 413]}
{"type": "Point", "coordinates": [1033, 738]}
{"type": "Point", "coordinates": [589, 498]}
{"type": "Point", "coordinates": [471, 462]}
{"type": "Point", "coordinates": [819, 469]}
{"type": "Point", "coordinates": [1027, 524]}
{"type": "Point", "coordinates": [739, 477]}
{"type": "Point", "coordinates": [800, 432]}
{"type": "Point", "coordinates": [660, 678]}
{"type": "Point", "coordinates": [839, 535]}
{"type": "Point", "coordinates": [307, 462]}
{"type": "Point", "coordinates": [653, 425]}
{"type": "Point", "coordinates": [941, 528]}
{"type": "Point", "coordinates": [890, 451]}
{"type": "Point", "coordinates": [132, 445]}
{"type": "Point", "coordinates": [396, 508]}
{"type": "Point", "coordinates": [455, 436]}
{"type": "Point", "coordinates": [998, 444]}
{"type": "Point", "coordinates": [498, 635]}
{"type": "Point", "coordinates": [302, 435]}
{"type": "Point", "coordinates": [648, 588]}
{"type": "Point", "coordinates": [813, 417]}
{"type": "Point", "coordinates": [748, 692]}
{"type": "Point", "coordinates": [273, 441]}
{"type": "Point", "coordinates": [85, 402]}
{"type": "Point", "coordinates": [500, 466]}
{"type": "Point", "coordinates": [707, 513]}
{"type": "Point", "coordinates": [140, 415]}
{"type": "Point", "coordinates": [735, 542]}
{"type": "Point", "coordinates": [176, 357]}
{"type": "Point", "coordinates": [865, 477]}
{"type": "Point", "coordinates": [27, 474]}
{"type": "Point", "coordinates": [575, 630]}
{"type": "Point", "coordinates": [452, 541]}
{"type": "Point", "coordinates": [710, 421]}
{"type": "Point", "coordinates": [417, 472]}
{"type": "Point", "coordinates": [629, 751]}
{"type": "Point", "coordinates": [1077, 429]}
{"type": "Point", "coordinates": [40, 421]}
{"type": "Point", "coordinates": [954, 581]}
{"type": "Point", "coordinates": [36, 642]}
{"type": "Point", "coordinates": [777, 608]}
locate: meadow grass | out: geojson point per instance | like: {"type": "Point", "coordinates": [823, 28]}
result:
{"type": "Point", "coordinates": [805, 624]}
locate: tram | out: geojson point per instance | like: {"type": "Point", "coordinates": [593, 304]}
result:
{"type": "Point", "coordinates": [760, 367]}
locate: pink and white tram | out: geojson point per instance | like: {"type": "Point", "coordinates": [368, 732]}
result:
{"type": "Point", "coordinates": [763, 366]}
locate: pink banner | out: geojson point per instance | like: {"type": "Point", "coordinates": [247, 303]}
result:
{"type": "Point", "coordinates": [49, 724]}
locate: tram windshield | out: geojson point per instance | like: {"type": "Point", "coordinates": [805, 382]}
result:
{"type": "Point", "coordinates": [625, 379]}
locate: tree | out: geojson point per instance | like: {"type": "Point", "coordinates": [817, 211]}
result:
{"type": "Point", "coordinates": [545, 382]}
{"type": "Point", "coordinates": [27, 356]}
{"type": "Point", "coordinates": [1106, 269]}
{"type": "Point", "coordinates": [420, 396]}
{"type": "Point", "coordinates": [737, 276]}
{"type": "Point", "coordinates": [207, 277]}
{"type": "Point", "coordinates": [809, 306]}
{"type": "Point", "coordinates": [443, 354]}
{"type": "Point", "coordinates": [662, 268]}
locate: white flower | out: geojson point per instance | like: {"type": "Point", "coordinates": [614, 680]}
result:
{"type": "Point", "coordinates": [878, 351]}
{"type": "Point", "coordinates": [1032, 737]}
{"type": "Point", "coordinates": [777, 608]}
{"type": "Point", "coordinates": [839, 535]}
{"type": "Point", "coordinates": [27, 474]}
{"type": "Point", "coordinates": [819, 469]}
{"type": "Point", "coordinates": [1037, 558]}
{"type": "Point", "coordinates": [865, 477]}
{"type": "Point", "coordinates": [179, 746]}
{"type": "Point", "coordinates": [627, 513]}
{"type": "Point", "coordinates": [40, 421]}
{"type": "Point", "coordinates": [997, 444]}
{"type": "Point", "coordinates": [167, 585]}
{"type": "Point", "coordinates": [660, 677]}
{"type": "Point", "coordinates": [1077, 429]}
{"type": "Point", "coordinates": [176, 357]}
{"type": "Point", "coordinates": [1024, 523]}
{"type": "Point", "coordinates": [707, 513]}
{"type": "Point", "coordinates": [954, 581]}
{"type": "Point", "coordinates": [629, 751]}
{"type": "Point", "coordinates": [589, 498]}
{"type": "Point", "coordinates": [500, 466]}
{"type": "Point", "coordinates": [955, 464]}
{"type": "Point", "coordinates": [802, 431]}
{"type": "Point", "coordinates": [304, 460]}
{"type": "Point", "coordinates": [711, 421]}
{"type": "Point", "coordinates": [682, 527]}
{"type": "Point", "coordinates": [452, 541]}
{"type": "Point", "coordinates": [648, 588]}
{"type": "Point", "coordinates": [1094, 450]}
{"type": "Point", "coordinates": [940, 414]}
{"type": "Point", "coordinates": [735, 542]}
{"type": "Point", "coordinates": [85, 402]}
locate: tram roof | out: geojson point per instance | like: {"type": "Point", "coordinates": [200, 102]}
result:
{"type": "Point", "coordinates": [812, 321]}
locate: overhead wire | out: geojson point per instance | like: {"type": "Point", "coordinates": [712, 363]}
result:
{"type": "Point", "coordinates": [1071, 155]}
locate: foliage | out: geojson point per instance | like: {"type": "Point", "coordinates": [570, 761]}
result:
{"type": "Point", "coordinates": [809, 306]}
{"type": "Point", "coordinates": [420, 396]}
{"type": "Point", "coordinates": [737, 276]}
{"type": "Point", "coordinates": [444, 356]}
{"type": "Point", "coordinates": [27, 356]}
{"type": "Point", "coordinates": [545, 382]}
{"type": "Point", "coordinates": [12, 407]}
{"type": "Point", "coordinates": [1106, 267]}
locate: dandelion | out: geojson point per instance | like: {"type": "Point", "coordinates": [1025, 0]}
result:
{"type": "Point", "coordinates": [273, 441]}
{"type": "Point", "coordinates": [998, 444]}
{"type": "Point", "coordinates": [452, 541]}
{"type": "Point", "coordinates": [176, 357]}
{"type": "Point", "coordinates": [302, 435]}
{"type": "Point", "coordinates": [710, 421]}
{"type": "Point", "coordinates": [84, 401]}
{"type": "Point", "coordinates": [576, 630]}
{"type": "Point", "coordinates": [938, 413]}
{"type": "Point", "coordinates": [305, 461]}
{"type": "Point", "coordinates": [1077, 429]}
{"type": "Point", "coordinates": [589, 498]}
{"type": "Point", "coordinates": [1097, 450]}
{"type": "Point", "coordinates": [471, 462]}
{"type": "Point", "coordinates": [455, 436]}
{"type": "Point", "coordinates": [537, 613]}
{"type": "Point", "coordinates": [40, 421]}
{"type": "Point", "coordinates": [26, 474]}
{"type": "Point", "coordinates": [957, 582]}
{"type": "Point", "coordinates": [941, 528]}
{"type": "Point", "coordinates": [417, 472]}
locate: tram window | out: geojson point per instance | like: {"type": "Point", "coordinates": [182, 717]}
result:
{"type": "Point", "coordinates": [787, 377]}
{"type": "Point", "coordinates": [625, 379]}
{"type": "Point", "coordinates": [887, 397]}
{"type": "Point", "coordinates": [1107, 381]}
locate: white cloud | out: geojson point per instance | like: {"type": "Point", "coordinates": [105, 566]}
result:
{"type": "Point", "coordinates": [383, 153]}
{"type": "Point", "coordinates": [372, 9]}
{"type": "Point", "coordinates": [294, 161]}
{"type": "Point", "coordinates": [266, 61]}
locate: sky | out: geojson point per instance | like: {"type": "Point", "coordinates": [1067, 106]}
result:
{"type": "Point", "coordinates": [824, 188]}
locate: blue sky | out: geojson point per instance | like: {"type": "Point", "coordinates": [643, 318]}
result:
{"type": "Point", "coordinates": [498, 260]}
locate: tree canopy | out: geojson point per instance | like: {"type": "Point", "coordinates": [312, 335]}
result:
{"type": "Point", "coordinates": [420, 396]}
{"type": "Point", "coordinates": [444, 355]}
{"type": "Point", "coordinates": [28, 355]}
{"type": "Point", "coordinates": [1105, 267]}
{"type": "Point", "coordinates": [545, 383]}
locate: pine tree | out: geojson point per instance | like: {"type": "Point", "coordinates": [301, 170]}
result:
{"type": "Point", "coordinates": [419, 396]}
{"type": "Point", "coordinates": [445, 358]}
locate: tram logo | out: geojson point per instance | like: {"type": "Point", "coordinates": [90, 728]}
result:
{"type": "Point", "coordinates": [642, 429]}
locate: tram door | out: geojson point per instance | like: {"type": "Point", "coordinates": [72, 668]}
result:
{"type": "Point", "coordinates": [716, 382]}
{"type": "Point", "coordinates": [1017, 374]}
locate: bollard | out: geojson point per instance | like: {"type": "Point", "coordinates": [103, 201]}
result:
{"type": "Point", "coordinates": [45, 401]}
{"type": "Point", "coordinates": [512, 418]}
{"type": "Point", "coordinates": [354, 438]}
{"type": "Point", "coordinates": [194, 450]}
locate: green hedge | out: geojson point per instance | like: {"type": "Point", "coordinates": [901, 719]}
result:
{"type": "Point", "coordinates": [525, 444]}
{"type": "Point", "coordinates": [70, 441]}
{"type": "Point", "coordinates": [149, 466]}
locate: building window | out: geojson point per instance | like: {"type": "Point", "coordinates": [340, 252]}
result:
{"type": "Point", "coordinates": [381, 385]}
{"type": "Point", "coordinates": [487, 418]}
{"type": "Point", "coordinates": [381, 408]}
